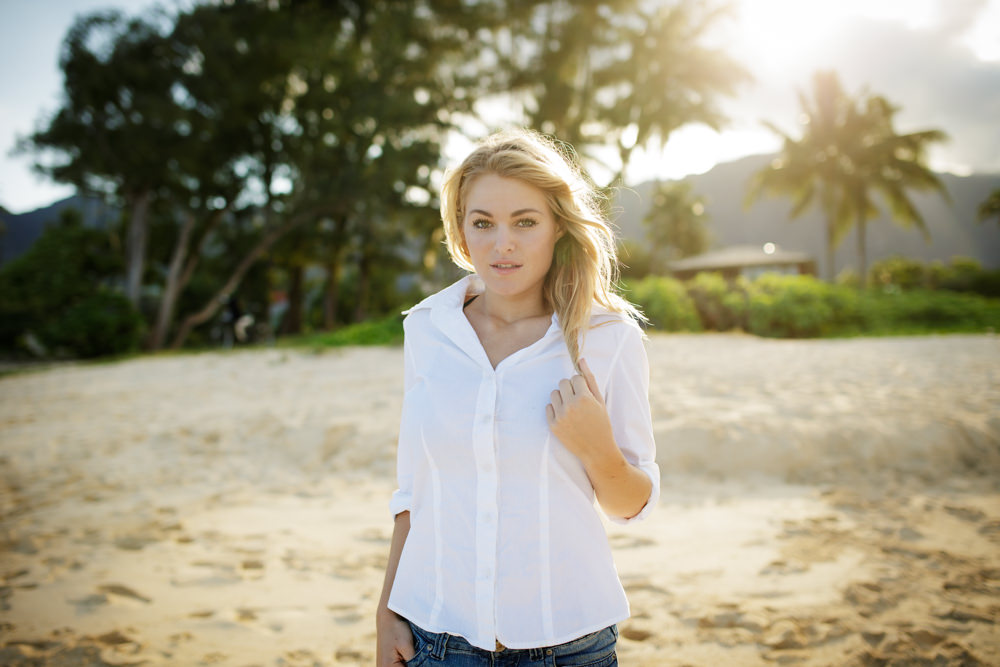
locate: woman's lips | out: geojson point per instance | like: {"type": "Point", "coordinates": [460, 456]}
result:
{"type": "Point", "coordinates": [504, 268]}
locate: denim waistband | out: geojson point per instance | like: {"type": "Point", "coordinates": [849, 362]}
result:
{"type": "Point", "coordinates": [442, 643]}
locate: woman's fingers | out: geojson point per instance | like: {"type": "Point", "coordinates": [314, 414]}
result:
{"type": "Point", "coordinates": [588, 375]}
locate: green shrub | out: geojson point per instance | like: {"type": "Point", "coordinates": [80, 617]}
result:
{"type": "Point", "coordinates": [103, 323]}
{"type": "Point", "coordinates": [58, 292]}
{"type": "Point", "coordinates": [922, 311]}
{"type": "Point", "coordinates": [903, 272]}
{"type": "Point", "coordinates": [799, 306]}
{"type": "Point", "coordinates": [666, 303]}
{"type": "Point", "coordinates": [721, 306]}
{"type": "Point", "coordinates": [385, 331]}
{"type": "Point", "coordinates": [964, 274]}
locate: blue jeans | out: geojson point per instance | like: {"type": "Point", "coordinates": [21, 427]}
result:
{"type": "Point", "coordinates": [443, 650]}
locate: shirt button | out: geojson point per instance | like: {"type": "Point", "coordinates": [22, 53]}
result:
{"type": "Point", "coordinates": [485, 419]}
{"type": "Point", "coordinates": [486, 466]}
{"type": "Point", "coordinates": [486, 517]}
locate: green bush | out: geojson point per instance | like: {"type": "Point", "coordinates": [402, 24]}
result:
{"type": "Point", "coordinates": [103, 323]}
{"type": "Point", "coordinates": [721, 306]}
{"type": "Point", "coordinates": [385, 331]}
{"type": "Point", "coordinates": [964, 274]}
{"type": "Point", "coordinates": [58, 291]}
{"type": "Point", "coordinates": [923, 311]}
{"type": "Point", "coordinates": [902, 272]}
{"type": "Point", "coordinates": [666, 303]}
{"type": "Point", "coordinates": [798, 306]}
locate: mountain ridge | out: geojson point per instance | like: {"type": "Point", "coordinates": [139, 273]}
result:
{"type": "Point", "coordinates": [953, 226]}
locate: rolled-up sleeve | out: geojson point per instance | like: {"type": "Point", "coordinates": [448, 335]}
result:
{"type": "Point", "coordinates": [627, 399]}
{"type": "Point", "coordinates": [402, 497]}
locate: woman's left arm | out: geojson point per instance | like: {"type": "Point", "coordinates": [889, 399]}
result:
{"type": "Point", "coordinates": [580, 419]}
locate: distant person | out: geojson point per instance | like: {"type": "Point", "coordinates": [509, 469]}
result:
{"type": "Point", "coordinates": [525, 398]}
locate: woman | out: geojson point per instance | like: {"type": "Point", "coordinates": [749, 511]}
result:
{"type": "Point", "coordinates": [526, 398]}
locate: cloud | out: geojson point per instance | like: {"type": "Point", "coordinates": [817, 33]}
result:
{"type": "Point", "coordinates": [957, 17]}
{"type": "Point", "coordinates": [938, 82]}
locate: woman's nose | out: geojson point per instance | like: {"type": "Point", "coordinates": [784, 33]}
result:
{"type": "Point", "coordinates": [504, 241]}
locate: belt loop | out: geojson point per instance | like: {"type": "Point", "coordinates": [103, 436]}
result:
{"type": "Point", "coordinates": [536, 654]}
{"type": "Point", "coordinates": [440, 646]}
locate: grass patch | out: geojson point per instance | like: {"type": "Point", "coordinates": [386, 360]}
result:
{"type": "Point", "coordinates": [384, 331]}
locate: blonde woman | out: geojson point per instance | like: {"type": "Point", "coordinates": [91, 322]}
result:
{"type": "Point", "coordinates": [525, 399]}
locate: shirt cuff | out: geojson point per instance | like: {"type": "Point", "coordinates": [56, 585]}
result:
{"type": "Point", "coordinates": [400, 501]}
{"type": "Point", "coordinates": [653, 471]}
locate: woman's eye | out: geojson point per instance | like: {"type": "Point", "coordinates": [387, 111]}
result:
{"type": "Point", "coordinates": [526, 222]}
{"type": "Point", "coordinates": [481, 223]}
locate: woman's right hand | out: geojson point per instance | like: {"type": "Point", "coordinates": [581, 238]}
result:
{"type": "Point", "coordinates": [395, 640]}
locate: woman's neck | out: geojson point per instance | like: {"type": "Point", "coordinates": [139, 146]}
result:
{"type": "Point", "coordinates": [512, 309]}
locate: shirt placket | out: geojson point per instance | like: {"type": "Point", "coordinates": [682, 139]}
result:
{"type": "Point", "coordinates": [486, 504]}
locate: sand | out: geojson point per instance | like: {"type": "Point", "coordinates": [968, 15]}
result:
{"type": "Point", "coordinates": [827, 502]}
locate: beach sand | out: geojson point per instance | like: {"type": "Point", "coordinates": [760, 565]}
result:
{"type": "Point", "coordinates": [825, 502]}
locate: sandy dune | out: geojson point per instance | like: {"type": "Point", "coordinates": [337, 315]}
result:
{"type": "Point", "coordinates": [825, 503]}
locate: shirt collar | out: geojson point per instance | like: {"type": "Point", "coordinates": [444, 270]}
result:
{"type": "Point", "coordinates": [451, 297]}
{"type": "Point", "coordinates": [454, 296]}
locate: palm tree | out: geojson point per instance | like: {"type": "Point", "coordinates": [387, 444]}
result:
{"type": "Point", "coordinates": [849, 150]}
{"type": "Point", "coordinates": [676, 223]}
{"type": "Point", "coordinates": [990, 208]}
{"type": "Point", "coordinates": [890, 164]}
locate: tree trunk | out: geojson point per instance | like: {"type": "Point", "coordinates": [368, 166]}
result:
{"type": "Point", "coordinates": [331, 295]}
{"type": "Point", "coordinates": [292, 323]}
{"type": "Point", "coordinates": [182, 266]}
{"type": "Point", "coordinates": [862, 251]}
{"type": "Point", "coordinates": [172, 286]}
{"type": "Point", "coordinates": [364, 284]}
{"type": "Point", "coordinates": [213, 304]}
{"type": "Point", "coordinates": [135, 248]}
{"type": "Point", "coordinates": [831, 274]}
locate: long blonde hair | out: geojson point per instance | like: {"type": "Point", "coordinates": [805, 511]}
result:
{"type": "Point", "coordinates": [584, 263]}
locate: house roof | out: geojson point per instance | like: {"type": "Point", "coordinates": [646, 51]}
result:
{"type": "Point", "coordinates": [739, 256]}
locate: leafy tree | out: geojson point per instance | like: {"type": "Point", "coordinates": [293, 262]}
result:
{"type": "Point", "coordinates": [676, 222]}
{"type": "Point", "coordinates": [117, 122]}
{"type": "Point", "coordinates": [615, 74]}
{"type": "Point", "coordinates": [848, 151]}
{"type": "Point", "coordinates": [61, 292]}
{"type": "Point", "coordinates": [990, 208]}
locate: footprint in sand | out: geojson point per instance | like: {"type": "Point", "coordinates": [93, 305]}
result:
{"type": "Point", "coordinates": [207, 573]}
{"type": "Point", "coordinates": [618, 541]}
{"type": "Point", "coordinates": [965, 513]}
{"type": "Point", "coordinates": [991, 530]}
{"type": "Point", "coordinates": [783, 567]}
{"type": "Point", "coordinates": [121, 591]}
{"type": "Point", "coordinates": [89, 604]}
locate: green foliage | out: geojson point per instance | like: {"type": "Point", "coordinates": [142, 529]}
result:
{"type": "Point", "coordinates": [926, 311]}
{"type": "Point", "coordinates": [666, 303]}
{"type": "Point", "coordinates": [902, 272]}
{"type": "Point", "coordinates": [990, 207]}
{"type": "Point", "coordinates": [720, 306]}
{"type": "Point", "coordinates": [58, 291]}
{"type": "Point", "coordinates": [634, 259]}
{"type": "Point", "coordinates": [676, 222]}
{"type": "Point", "coordinates": [798, 306]}
{"type": "Point", "coordinates": [961, 274]}
{"type": "Point", "coordinates": [384, 331]}
{"type": "Point", "coordinates": [101, 324]}
{"type": "Point", "coordinates": [789, 306]}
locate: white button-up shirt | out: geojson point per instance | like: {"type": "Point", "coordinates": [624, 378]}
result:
{"type": "Point", "coordinates": [505, 539]}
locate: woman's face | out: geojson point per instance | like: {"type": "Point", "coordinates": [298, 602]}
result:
{"type": "Point", "coordinates": [510, 233]}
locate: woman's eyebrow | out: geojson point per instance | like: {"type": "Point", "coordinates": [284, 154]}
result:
{"type": "Point", "coordinates": [520, 211]}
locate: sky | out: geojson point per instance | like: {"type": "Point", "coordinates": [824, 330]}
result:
{"type": "Point", "coordinates": [939, 60]}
